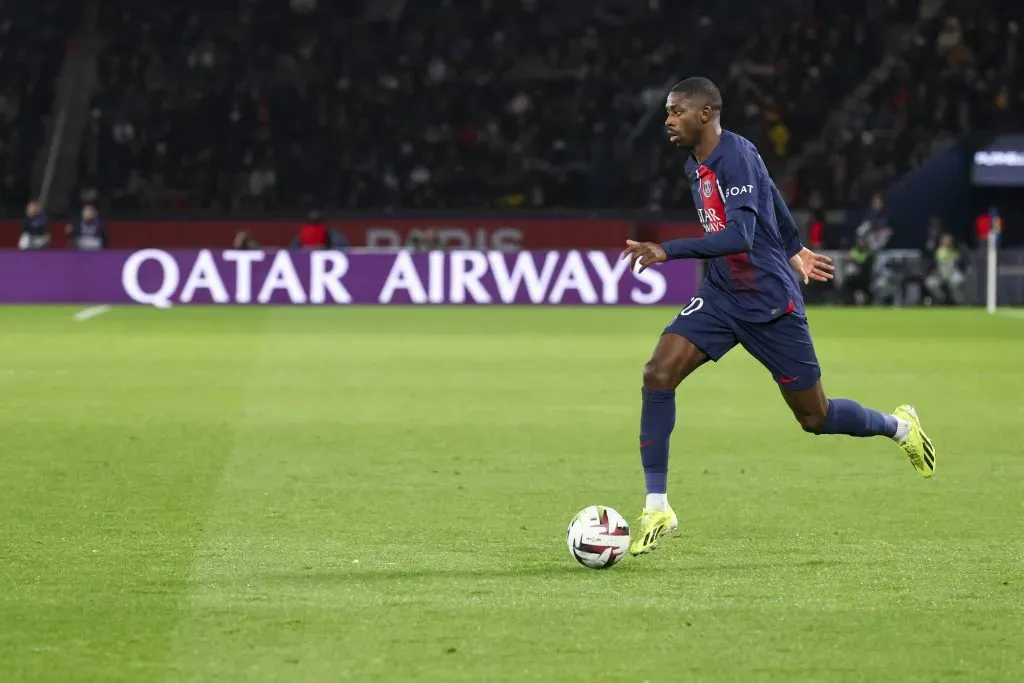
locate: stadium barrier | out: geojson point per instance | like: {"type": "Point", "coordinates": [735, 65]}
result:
{"type": "Point", "coordinates": [166, 278]}
{"type": "Point", "coordinates": [492, 231]}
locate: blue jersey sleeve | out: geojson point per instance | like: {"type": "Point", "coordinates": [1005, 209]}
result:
{"type": "Point", "coordinates": [787, 224]}
{"type": "Point", "coordinates": [736, 237]}
{"type": "Point", "coordinates": [740, 181]}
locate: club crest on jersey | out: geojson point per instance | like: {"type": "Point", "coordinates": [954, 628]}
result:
{"type": "Point", "coordinates": [707, 188]}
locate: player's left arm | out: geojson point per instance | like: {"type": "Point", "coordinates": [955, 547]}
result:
{"type": "Point", "coordinates": [807, 264]}
{"type": "Point", "coordinates": [787, 224]}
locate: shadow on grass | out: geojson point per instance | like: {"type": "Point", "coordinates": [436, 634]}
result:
{"type": "Point", "coordinates": [370, 574]}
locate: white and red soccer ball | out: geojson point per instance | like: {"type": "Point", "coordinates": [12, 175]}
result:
{"type": "Point", "coordinates": [598, 537]}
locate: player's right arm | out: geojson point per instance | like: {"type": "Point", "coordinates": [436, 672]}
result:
{"type": "Point", "coordinates": [738, 184]}
{"type": "Point", "coordinates": [736, 238]}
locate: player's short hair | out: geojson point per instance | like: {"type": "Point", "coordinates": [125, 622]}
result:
{"type": "Point", "coordinates": [702, 90]}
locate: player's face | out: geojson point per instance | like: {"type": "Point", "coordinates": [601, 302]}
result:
{"type": "Point", "coordinates": [684, 120]}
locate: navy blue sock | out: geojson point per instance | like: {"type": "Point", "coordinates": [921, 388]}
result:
{"type": "Point", "coordinates": [849, 417]}
{"type": "Point", "coordinates": [657, 419]}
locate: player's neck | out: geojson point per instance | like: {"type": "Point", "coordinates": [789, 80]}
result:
{"type": "Point", "coordinates": [707, 144]}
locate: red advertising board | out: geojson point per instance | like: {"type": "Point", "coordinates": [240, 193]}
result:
{"type": "Point", "coordinates": [491, 233]}
{"type": "Point", "coordinates": [503, 234]}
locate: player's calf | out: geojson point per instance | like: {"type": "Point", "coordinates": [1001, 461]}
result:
{"type": "Point", "coordinates": [817, 414]}
{"type": "Point", "coordinates": [662, 374]}
{"type": "Point", "coordinates": [813, 423]}
{"type": "Point", "coordinates": [844, 416]}
{"type": "Point", "coordinates": [810, 408]}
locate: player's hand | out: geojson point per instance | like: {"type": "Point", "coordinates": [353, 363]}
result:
{"type": "Point", "coordinates": [810, 266]}
{"type": "Point", "coordinates": [647, 253]}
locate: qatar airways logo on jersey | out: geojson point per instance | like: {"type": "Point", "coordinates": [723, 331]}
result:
{"type": "Point", "coordinates": [710, 220]}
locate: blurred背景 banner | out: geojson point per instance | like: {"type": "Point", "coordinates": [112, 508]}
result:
{"type": "Point", "coordinates": [170, 278]}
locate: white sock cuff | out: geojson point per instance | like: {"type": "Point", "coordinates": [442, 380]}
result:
{"type": "Point", "coordinates": [902, 430]}
{"type": "Point", "coordinates": [657, 501]}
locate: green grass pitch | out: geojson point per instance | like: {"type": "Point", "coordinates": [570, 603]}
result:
{"type": "Point", "coordinates": [362, 494]}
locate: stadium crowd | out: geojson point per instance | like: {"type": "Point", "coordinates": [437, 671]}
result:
{"type": "Point", "coordinates": [962, 72]}
{"type": "Point", "coordinates": [500, 103]}
{"type": "Point", "coordinates": [299, 104]}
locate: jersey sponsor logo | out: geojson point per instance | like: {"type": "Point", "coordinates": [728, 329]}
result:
{"type": "Point", "coordinates": [710, 219]}
{"type": "Point", "coordinates": [707, 188]}
{"type": "Point", "coordinates": [739, 190]}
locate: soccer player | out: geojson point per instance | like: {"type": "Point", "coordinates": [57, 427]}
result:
{"type": "Point", "coordinates": [750, 296]}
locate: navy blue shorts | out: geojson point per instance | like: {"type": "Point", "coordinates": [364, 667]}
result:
{"type": "Point", "coordinates": [783, 345]}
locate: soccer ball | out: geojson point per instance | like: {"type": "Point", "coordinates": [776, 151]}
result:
{"type": "Point", "coordinates": [598, 537]}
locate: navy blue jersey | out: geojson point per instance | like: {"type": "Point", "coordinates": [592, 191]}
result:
{"type": "Point", "coordinates": [757, 284]}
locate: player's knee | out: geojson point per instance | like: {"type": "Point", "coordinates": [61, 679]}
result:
{"type": "Point", "coordinates": [659, 376]}
{"type": "Point", "coordinates": [812, 422]}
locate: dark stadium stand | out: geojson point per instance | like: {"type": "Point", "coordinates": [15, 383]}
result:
{"type": "Point", "coordinates": [479, 104]}
{"type": "Point", "coordinates": [33, 38]}
{"type": "Point", "coordinates": [963, 72]}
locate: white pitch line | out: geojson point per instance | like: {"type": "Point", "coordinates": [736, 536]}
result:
{"type": "Point", "coordinates": [91, 312]}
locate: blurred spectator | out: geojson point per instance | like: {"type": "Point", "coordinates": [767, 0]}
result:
{"type": "Point", "coordinates": [425, 241]}
{"type": "Point", "coordinates": [875, 227]}
{"type": "Point", "coordinates": [946, 282]}
{"type": "Point", "coordinates": [337, 240]}
{"type": "Point", "coordinates": [89, 232]}
{"type": "Point", "coordinates": [931, 243]}
{"type": "Point", "coordinates": [983, 224]}
{"type": "Point", "coordinates": [313, 233]}
{"type": "Point", "coordinates": [243, 240]}
{"type": "Point", "coordinates": [860, 269]}
{"type": "Point", "coordinates": [779, 135]}
{"type": "Point", "coordinates": [816, 231]}
{"type": "Point", "coordinates": [34, 231]}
